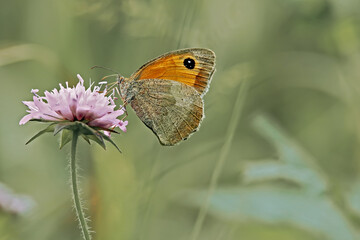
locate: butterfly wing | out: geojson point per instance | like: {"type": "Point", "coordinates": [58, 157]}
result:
{"type": "Point", "coordinates": [193, 67]}
{"type": "Point", "coordinates": [171, 109]}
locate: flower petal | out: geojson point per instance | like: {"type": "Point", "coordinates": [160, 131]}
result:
{"type": "Point", "coordinates": [25, 119]}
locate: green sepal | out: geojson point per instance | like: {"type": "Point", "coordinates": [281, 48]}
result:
{"type": "Point", "coordinates": [66, 128]}
{"type": "Point", "coordinates": [106, 129]}
{"type": "Point", "coordinates": [85, 129]}
{"type": "Point", "coordinates": [63, 125]}
{"type": "Point", "coordinates": [41, 120]}
{"type": "Point", "coordinates": [86, 139]}
{"type": "Point", "coordinates": [92, 134]}
{"type": "Point", "coordinates": [49, 128]}
{"type": "Point", "coordinates": [97, 140]}
{"type": "Point", "coordinates": [111, 141]}
{"type": "Point", "coordinates": [66, 137]}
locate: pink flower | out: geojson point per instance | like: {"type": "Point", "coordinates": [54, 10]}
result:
{"type": "Point", "coordinates": [14, 203]}
{"type": "Point", "coordinates": [92, 107]}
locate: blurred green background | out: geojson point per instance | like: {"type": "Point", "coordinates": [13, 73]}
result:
{"type": "Point", "coordinates": [277, 156]}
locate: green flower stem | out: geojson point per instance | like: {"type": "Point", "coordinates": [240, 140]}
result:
{"type": "Point", "coordinates": [75, 190]}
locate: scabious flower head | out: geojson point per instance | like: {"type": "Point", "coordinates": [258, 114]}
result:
{"type": "Point", "coordinates": [91, 109]}
{"type": "Point", "coordinates": [75, 104]}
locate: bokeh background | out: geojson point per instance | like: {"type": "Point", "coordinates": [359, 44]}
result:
{"type": "Point", "coordinates": [277, 156]}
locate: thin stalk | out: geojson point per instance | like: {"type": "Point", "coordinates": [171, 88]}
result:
{"type": "Point", "coordinates": [152, 186]}
{"type": "Point", "coordinates": [75, 190]}
{"type": "Point", "coordinates": [223, 155]}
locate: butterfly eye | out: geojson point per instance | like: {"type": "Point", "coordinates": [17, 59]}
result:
{"type": "Point", "coordinates": [189, 63]}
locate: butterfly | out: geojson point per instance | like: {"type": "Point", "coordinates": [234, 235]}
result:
{"type": "Point", "coordinates": [167, 92]}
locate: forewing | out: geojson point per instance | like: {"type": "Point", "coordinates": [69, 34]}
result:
{"type": "Point", "coordinates": [172, 110]}
{"type": "Point", "coordinates": [170, 66]}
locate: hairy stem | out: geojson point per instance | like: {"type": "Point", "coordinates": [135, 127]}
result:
{"type": "Point", "coordinates": [75, 190]}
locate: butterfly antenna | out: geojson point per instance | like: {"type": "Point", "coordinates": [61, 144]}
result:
{"type": "Point", "coordinates": [96, 66]}
{"type": "Point", "coordinates": [119, 79]}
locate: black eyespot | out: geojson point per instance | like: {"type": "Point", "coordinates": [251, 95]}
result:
{"type": "Point", "coordinates": [189, 63]}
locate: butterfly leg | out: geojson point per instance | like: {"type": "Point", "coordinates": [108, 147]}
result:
{"type": "Point", "coordinates": [125, 110]}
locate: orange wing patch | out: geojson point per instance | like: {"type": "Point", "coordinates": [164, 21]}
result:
{"type": "Point", "coordinates": [172, 66]}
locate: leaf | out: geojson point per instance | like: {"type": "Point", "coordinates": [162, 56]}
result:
{"type": "Point", "coordinates": [66, 137]}
{"type": "Point", "coordinates": [314, 213]}
{"type": "Point", "coordinates": [288, 149]}
{"type": "Point", "coordinates": [353, 198]}
{"type": "Point", "coordinates": [49, 128]}
{"type": "Point", "coordinates": [295, 163]}
{"type": "Point", "coordinates": [274, 170]}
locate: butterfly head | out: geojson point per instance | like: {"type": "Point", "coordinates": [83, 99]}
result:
{"type": "Point", "coordinates": [123, 85]}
